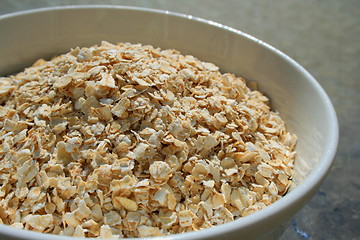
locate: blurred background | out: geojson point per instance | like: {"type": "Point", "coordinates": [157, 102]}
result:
{"type": "Point", "coordinates": [324, 37]}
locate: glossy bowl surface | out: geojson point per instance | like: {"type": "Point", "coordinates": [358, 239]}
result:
{"type": "Point", "coordinates": [302, 103]}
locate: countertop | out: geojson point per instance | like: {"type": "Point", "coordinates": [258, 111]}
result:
{"type": "Point", "coordinates": [324, 37]}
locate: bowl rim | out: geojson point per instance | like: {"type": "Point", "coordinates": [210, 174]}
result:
{"type": "Point", "coordinates": [311, 181]}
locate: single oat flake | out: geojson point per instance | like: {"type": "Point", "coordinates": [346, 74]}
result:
{"type": "Point", "coordinates": [128, 140]}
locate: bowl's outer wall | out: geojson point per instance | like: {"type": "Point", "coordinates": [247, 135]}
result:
{"type": "Point", "coordinates": [301, 102]}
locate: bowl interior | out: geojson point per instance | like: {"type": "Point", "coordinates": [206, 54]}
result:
{"type": "Point", "coordinates": [293, 92]}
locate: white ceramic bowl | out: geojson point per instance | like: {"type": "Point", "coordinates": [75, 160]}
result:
{"type": "Point", "coordinates": [303, 104]}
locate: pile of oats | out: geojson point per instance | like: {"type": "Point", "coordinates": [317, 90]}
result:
{"type": "Point", "coordinates": [129, 140]}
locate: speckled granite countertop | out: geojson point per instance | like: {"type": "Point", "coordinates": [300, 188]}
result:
{"type": "Point", "coordinates": [324, 37]}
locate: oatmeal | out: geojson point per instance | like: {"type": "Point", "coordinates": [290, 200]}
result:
{"type": "Point", "coordinates": [128, 140]}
